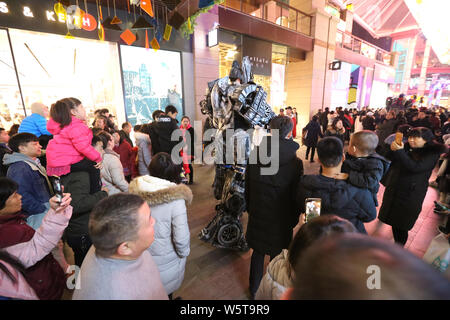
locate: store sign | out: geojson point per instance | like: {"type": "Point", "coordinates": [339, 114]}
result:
{"type": "Point", "coordinates": [73, 17]}
{"type": "Point", "coordinates": [260, 55]}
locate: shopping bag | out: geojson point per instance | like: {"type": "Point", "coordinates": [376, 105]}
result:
{"type": "Point", "coordinates": [438, 254]}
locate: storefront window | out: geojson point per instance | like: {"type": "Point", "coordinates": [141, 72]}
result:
{"type": "Point", "coordinates": [11, 109]}
{"type": "Point", "coordinates": [152, 80]}
{"type": "Point", "coordinates": [52, 67]}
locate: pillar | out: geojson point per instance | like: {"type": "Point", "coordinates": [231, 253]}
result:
{"type": "Point", "coordinates": [408, 64]}
{"type": "Point", "coordinates": [423, 70]}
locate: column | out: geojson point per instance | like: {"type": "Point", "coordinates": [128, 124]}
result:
{"type": "Point", "coordinates": [408, 65]}
{"type": "Point", "coordinates": [423, 70]}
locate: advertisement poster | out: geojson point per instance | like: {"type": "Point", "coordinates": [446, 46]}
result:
{"type": "Point", "coordinates": [152, 80]}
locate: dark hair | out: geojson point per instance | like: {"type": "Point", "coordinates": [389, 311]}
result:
{"type": "Point", "coordinates": [13, 130]}
{"type": "Point", "coordinates": [335, 121]}
{"type": "Point", "coordinates": [422, 132]}
{"type": "Point", "coordinates": [60, 111]}
{"type": "Point", "coordinates": [185, 117]}
{"type": "Point", "coordinates": [114, 220]}
{"type": "Point", "coordinates": [283, 124]}
{"type": "Point", "coordinates": [7, 188]}
{"type": "Point", "coordinates": [156, 114]}
{"type": "Point", "coordinates": [20, 139]}
{"type": "Point", "coordinates": [125, 124]}
{"type": "Point", "coordinates": [102, 117]}
{"type": "Point", "coordinates": [282, 110]}
{"type": "Point", "coordinates": [330, 151]}
{"type": "Point", "coordinates": [96, 139]}
{"type": "Point", "coordinates": [339, 267]}
{"type": "Point", "coordinates": [2, 129]}
{"type": "Point", "coordinates": [170, 108]}
{"type": "Point", "coordinates": [96, 130]}
{"type": "Point", "coordinates": [404, 128]}
{"type": "Point", "coordinates": [137, 127]}
{"type": "Point", "coordinates": [290, 108]}
{"type": "Point", "coordinates": [104, 137]}
{"type": "Point", "coordinates": [6, 257]}
{"type": "Point", "coordinates": [163, 167]}
{"type": "Point", "coordinates": [145, 128]}
{"type": "Point", "coordinates": [315, 118]}
{"type": "Point", "coordinates": [314, 230]}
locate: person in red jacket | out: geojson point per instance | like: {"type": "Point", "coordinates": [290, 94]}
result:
{"type": "Point", "coordinates": [127, 156]}
{"type": "Point", "coordinates": [46, 277]}
{"type": "Point", "coordinates": [290, 114]}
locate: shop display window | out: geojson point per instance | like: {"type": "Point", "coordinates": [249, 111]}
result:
{"type": "Point", "coordinates": [52, 67]}
{"type": "Point", "coordinates": [11, 108]}
{"type": "Point", "coordinates": [152, 80]}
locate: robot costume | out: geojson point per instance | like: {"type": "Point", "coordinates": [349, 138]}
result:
{"type": "Point", "coordinates": [234, 104]}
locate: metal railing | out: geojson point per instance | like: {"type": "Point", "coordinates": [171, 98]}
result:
{"type": "Point", "coordinates": [274, 11]}
{"type": "Point", "coordinates": [355, 44]}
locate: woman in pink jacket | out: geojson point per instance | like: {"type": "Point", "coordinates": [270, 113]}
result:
{"type": "Point", "coordinates": [70, 149]}
{"type": "Point", "coordinates": [16, 259]}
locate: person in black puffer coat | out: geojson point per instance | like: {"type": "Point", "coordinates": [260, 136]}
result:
{"type": "Point", "coordinates": [407, 181]}
{"type": "Point", "coordinates": [337, 195]}
{"type": "Point", "coordinates": [271, 200]}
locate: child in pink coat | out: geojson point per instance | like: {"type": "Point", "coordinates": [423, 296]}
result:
{"type": "Point", "coordinates": [70, 149]}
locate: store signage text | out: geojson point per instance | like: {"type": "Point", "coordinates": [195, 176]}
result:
{"type": "Point", "coordinates": [73, 18]}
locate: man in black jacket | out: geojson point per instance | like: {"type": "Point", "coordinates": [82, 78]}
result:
{"type": "Point", "coordinates": [161, 131]}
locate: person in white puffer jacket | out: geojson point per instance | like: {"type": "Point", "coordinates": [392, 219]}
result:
{"type": "Point", "coordinates": [167, 199]}
{"type": "Point", "coordinates": [280, 271]}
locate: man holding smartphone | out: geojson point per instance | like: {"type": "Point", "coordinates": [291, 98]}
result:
{"type": "Point", "coordinates": [337, 195]}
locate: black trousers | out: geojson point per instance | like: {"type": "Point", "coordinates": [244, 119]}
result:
{"type": "Point", "coordinates": [80, 246]}
{"type": "Point", "coordinates": [191, 175]}
{"type": "Point", "coordinates": [256, 270]}
{"type": "Point", "coordinates": [313, 151]}
{"type": "Point", "coordinates": [400, 236]}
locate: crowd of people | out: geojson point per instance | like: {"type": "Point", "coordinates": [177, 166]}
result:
{"type": "Point", "coordinates": [123, 210]}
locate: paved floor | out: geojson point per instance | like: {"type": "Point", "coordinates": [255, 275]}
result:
{"type": "Point", "coordinates": [213, 273]}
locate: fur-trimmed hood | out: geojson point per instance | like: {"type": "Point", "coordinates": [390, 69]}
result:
{"type": "Point", "coordinates": [157, 191]}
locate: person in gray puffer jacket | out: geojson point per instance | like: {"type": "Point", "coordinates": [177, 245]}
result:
{"type": "Point", "coordinates": [167, 199]}
{"type": "Point", "coordinates": [112, 171]}
{"type": "Point", "coordinates": [144, 145]}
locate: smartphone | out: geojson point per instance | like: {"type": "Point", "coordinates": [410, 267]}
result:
{"type": "Point", "coordinates": [312, 208]}
{"type": "Point", "coordinates": [398, 138]}
{"type": "Point", "coordinates": [57, 188]}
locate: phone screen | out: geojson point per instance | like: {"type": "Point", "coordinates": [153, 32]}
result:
{"type": "Point", "coordinates": [57, 188]}
{"type": "Point", "coordinates": [312, 208]}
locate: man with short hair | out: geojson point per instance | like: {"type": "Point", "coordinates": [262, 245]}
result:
{"type": "Point", "coordinates": [25, 169]}
{"type": "Point", "coordinates": [125, 132]}
{"type": "Point", "coordinates": [337, 195]}
{"type": "Point", "coordinates": [161, 131]}
{"type": "Point", "coordinates": [118, 266]}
